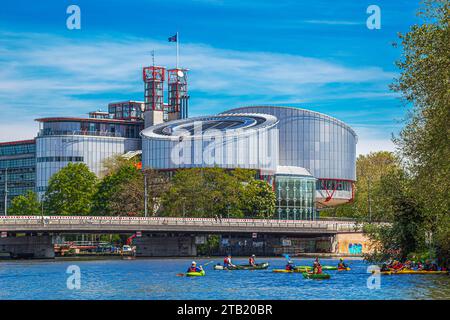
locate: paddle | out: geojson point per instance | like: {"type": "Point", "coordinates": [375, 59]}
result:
{"type": "Point", "coordinates": [183, 274]}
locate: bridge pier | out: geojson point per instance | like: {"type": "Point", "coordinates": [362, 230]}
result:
{"type": "Point", "coordinates": [28, 246]}
{"type": "Point", "coordinates": [165, 245]}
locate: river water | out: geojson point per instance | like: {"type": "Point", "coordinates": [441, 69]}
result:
{"type": "Point", "coordinates": [157, 279]}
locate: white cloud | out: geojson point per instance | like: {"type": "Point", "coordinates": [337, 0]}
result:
{"type": "Point", "coordinates": [18, 131]}
{"type": "Point", "coordinates": [43, 75]}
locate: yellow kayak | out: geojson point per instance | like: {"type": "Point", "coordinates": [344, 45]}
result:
{"type": "Point", "coordinates": [412, 272]}
{"type": "Point", "coordinates": [344, 269]}
{"type": "Point", "coordinates": [287, 271]}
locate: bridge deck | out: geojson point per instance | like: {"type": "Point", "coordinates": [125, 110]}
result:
{"type": "Point", "coordinates": [95, 224]}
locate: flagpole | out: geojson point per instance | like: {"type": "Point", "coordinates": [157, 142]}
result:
{"type": "Point", "coordinates": [178, 40]}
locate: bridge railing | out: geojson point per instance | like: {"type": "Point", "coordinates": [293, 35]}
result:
{"type": "Point", "coordinates": [103, 221]}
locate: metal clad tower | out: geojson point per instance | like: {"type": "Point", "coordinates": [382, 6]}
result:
{"type": "Point", "coordinates": [178, 93]}
{"type": "Point", "coordinates": [153, 94]}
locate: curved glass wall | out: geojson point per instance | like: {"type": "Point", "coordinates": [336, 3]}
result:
{"type": "Point", "coordinates": [322, 144]}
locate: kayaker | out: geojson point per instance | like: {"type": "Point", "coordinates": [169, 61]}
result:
{"type": "Point", "coordinates": [341, 264]}
{"type": "Point", "coordinates": [419, 266]}
{"type": "Point", "coordinates": [317, 267]}
{"type": "Point", "coordinates": [251, 260]}
{"type": "Point", "coordinates": [397, 266]}
{"type": "Point", "coordinates": [227, 262]}
{"type": "Point", "coordinates": [427, 266]}
{"type": "Point", "coordinates": [290, 265]}
{"type": "Point", "coordinates": [194, 268]}
{"type": "Point", "coordinates": [434, 267]}
{"type": "Point", "coordinates": [384, 267]}
{"type": "Point", "coordinates": [408, 265]}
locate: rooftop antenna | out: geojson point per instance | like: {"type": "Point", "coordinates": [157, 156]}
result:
{"type": "Point", "coordinates": [153, 57]}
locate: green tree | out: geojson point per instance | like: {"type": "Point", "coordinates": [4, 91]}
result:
{"type": "Point", "coordinates": [70, 191]}
{"type": "Point", "coordinates": [111, 185]}
{"type": "Point", "coordinates": [258, 199]}
{"type": "Point", "coordinates": [203, 192]}
{"type": "Point", "coordinates": [369, 201]}
{"type": "Point", "coordinates": [403, 230]}
{"type": "Point", "coordinates": [26, 204]}
{"type": "Point", "coordinates": [423, 143]}
{"type": "Point", "coordinates": [211, 192]}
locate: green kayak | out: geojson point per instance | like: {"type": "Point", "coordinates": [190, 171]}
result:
{"type": "Point", "coordinates": [315, 275]}
{"type": "Point", "coordinates": [258, 266]}
{"type": "Point", "coordinates": [195, 274]}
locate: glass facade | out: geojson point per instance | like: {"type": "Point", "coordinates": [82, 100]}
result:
{"type": "Point", "coordinates": [17, 169]}
{"type": "Point", "coordinates": [128, 110]}
{"type": "Point", "coordinates": [91, 127]}
{"type": "Point", "coordinates": [295, 197]}
{"type": "Point", "coordinates": [323, 145]}
{"type": "Point", "coordinates": [228, 142]}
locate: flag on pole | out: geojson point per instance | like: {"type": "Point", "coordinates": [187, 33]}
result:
{"type": "Point", "coordinates": [173, 38]}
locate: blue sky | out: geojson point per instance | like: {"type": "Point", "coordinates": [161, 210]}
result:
{"type": "Point", "coordinates": [317, 55]}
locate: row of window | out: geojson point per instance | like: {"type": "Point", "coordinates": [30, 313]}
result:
{"type": "Point", "coordinates": [60, 159]}
{"type": "Point", "coordinates": [17, 163]}
{"type": "Point", "coordinates": [9, 150]}
{"type": "Point", "coordinates": [333, 185]}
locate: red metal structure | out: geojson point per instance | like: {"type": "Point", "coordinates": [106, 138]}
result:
{"type": "Point", "coordinates": [178, 93]}
{"type": "Point", "coordinates": [154, 87]}
{"type": "Point", "coordinates": [330, 186]}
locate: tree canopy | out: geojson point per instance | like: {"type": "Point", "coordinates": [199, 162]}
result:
{"type": "Point", "coordinates": [70, 191]}
{"type": "Point", "coordinates": [26, 204]}
{"type": "Point", "coordinates": [215, 192]}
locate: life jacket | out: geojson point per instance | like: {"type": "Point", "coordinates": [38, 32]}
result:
{"type": "Point", "coordinates": [251, 261]}
{"type": "Point", "coordinates": [226, 261]}
{"type": "Point", "coordinates": [193, 269]}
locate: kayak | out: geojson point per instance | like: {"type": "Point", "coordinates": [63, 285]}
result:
{"type": "Point", "coordinates": [195, 274]}
{"type": "Point", "coordinates": [286, 271]}
{"type": "Point", "coordinates": [308, 275]}
{"type": "Point", "coordinates": [329, 268]}
{"type": "Point", "coordinates": [344, 269]}
{"type": "Point", "coordinates": [310, 268]}
{"type": "Point", "coordinates": [258, 266]}
{"type": "Point", "coordinates": [413, 272]}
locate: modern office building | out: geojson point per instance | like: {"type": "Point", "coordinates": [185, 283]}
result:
{"type": "Point", "coordinates": [90, 140]}
{"type": "Point", "coordinates": [323, 145]}
{"type": "Point", "coordinates": [228, 141]}
{"type": "Point", "coordinates": [309, 157]}
{"type": "Point", "coordinates": [17, 170]}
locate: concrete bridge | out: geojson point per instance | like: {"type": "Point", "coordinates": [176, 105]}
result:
{"type": "Point", "coordinates": [167, 236]}
{"type": "Point", "coordinates": [96, 224]}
